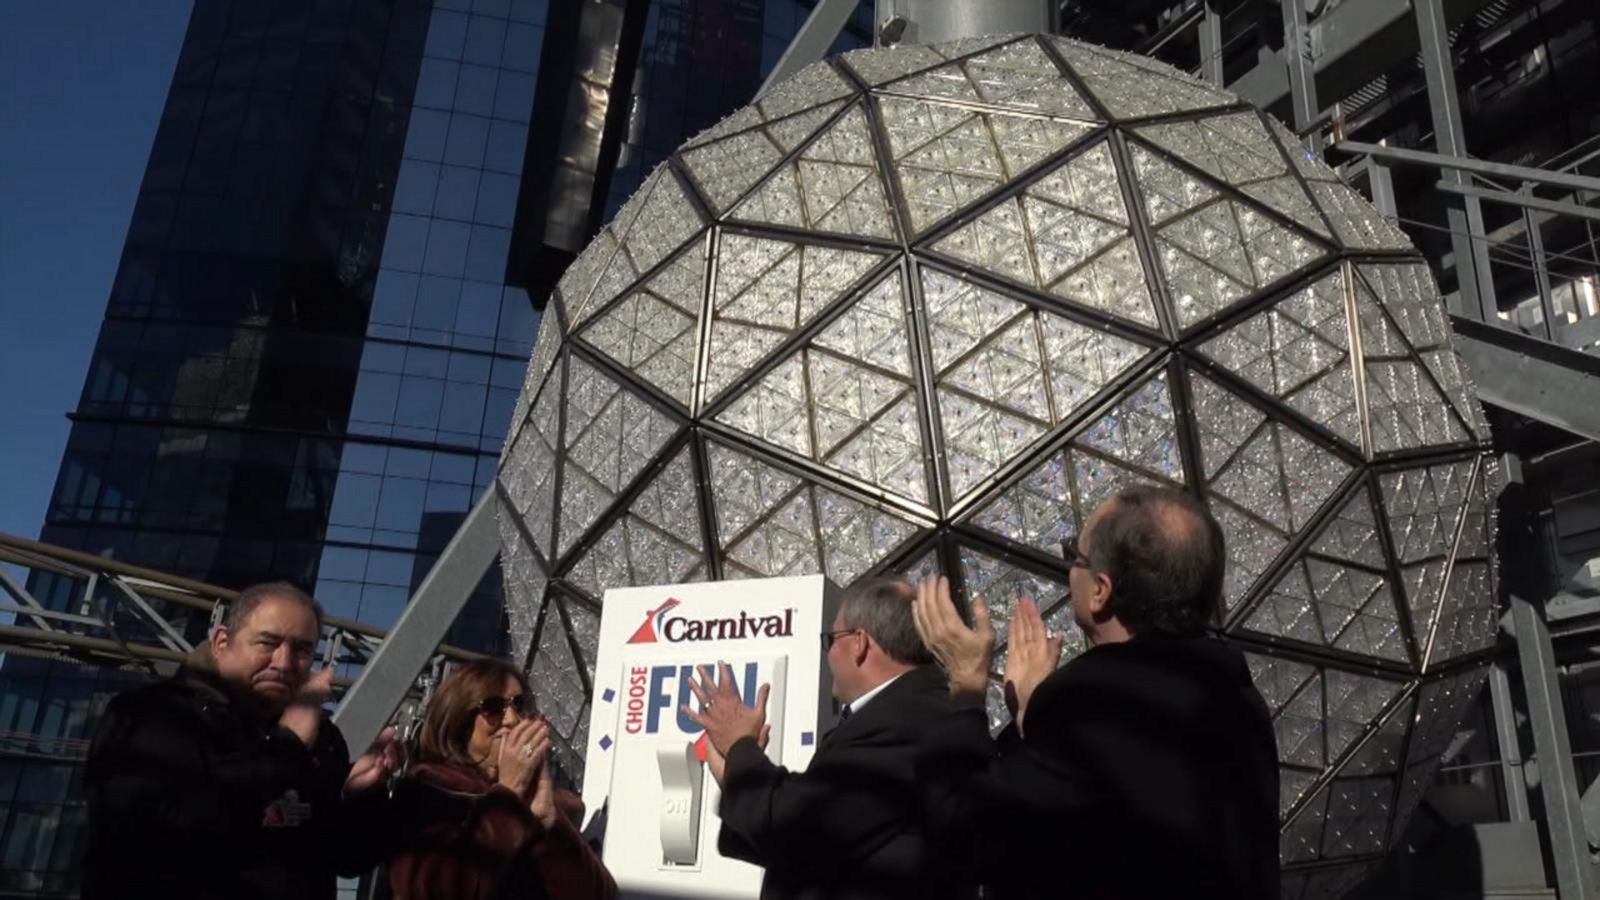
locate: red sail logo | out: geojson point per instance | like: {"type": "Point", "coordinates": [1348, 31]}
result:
{"type": "Point", "coordinates": [647, 631]}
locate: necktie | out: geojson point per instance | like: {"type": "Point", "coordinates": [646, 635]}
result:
{"type": "Point", "coordinates": [844, 713]}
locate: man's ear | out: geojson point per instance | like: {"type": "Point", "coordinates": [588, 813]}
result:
{"type": "Point", "coordinates": [219, 639]}
{"type": "Point", "coordinates": [866, 646]}
{"type": "Point", "coordinates": [1100, 601]}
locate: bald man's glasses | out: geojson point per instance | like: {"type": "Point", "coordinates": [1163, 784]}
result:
{"type": "Point", "coordinates": [1074, 557]}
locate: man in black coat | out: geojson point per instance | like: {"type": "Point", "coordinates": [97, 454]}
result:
{"type": "Point", "coordinates": [225, 780]}
{"type": "Point", "coordinates": [1144, 768]}
{"type": "Point", "coordinates": [849, 826]}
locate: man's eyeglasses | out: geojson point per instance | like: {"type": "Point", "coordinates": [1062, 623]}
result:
{"type": "Point", "coordinates": [495, 707]}
{"type": "Point", "coordinates": [1074, 557]}
{"type": "Point", "coordinates": [828, 637]}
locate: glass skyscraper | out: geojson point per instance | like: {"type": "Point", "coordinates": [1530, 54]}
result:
{"type": "Point", "coordinates": [326, 301]}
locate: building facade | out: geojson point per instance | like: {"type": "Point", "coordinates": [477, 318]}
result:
{"type": "Point", "coordinates": [324, 308]}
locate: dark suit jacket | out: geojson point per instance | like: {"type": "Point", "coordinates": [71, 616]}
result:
{"type": "Point", "coordinates": [848, 827]}
{"type": "Point", "coordinates": [1148, 770]}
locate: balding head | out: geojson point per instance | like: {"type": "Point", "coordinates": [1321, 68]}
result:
{"type": "Point", "coordinates": [1164, 555]}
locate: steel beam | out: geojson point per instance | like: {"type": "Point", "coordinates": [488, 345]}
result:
{"type": "Point", "coordinates": [1211, 68]}
{"type": "Point", "coordinates": [933, 21]}
{"type": "Point", "coordinates": [812, 42]}
{"type": "Point", "coordinates": [1474, 277]}
{"type": "Point", "coordinates": [1569, 842]}
{"type": "Point", "coordinates": [1541, 266]}
{"type": "Point", "coordinates": [422, 626]}
{"type": "Point", "coordinates": [1510, 744]}
{"type": "Point", "coordinates": [1523, 200]}
{"type": "Point", "coordinates": [1302, 77]}
{"type": "Point", "coordinates": [1351, 44]}
{"type": "Point", "coordinates": [1543, 381]}
{"type": "Point", "coordinates": [1468, 164]}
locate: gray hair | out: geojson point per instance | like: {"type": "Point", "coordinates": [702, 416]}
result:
{"type": "Point", "coordinates": [240, 610]}
{"type": "Point", "coordinates": [882, 608]}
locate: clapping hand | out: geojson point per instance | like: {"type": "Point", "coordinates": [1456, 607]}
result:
{"type": "Point", "coordinates": [303, 715]}
{"type": "Point", "coordinates": [1032, 655]}
{"type": "Point", "coordinates": [722, 712]}
{"type": "Point", "coordinates": [521, 754]}
{"type": "Point", "coordinates": [965, 653]}
{"type": "Point", "coordinates": [371, 768]}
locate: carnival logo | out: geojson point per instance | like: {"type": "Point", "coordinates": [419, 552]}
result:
{"type": "Point", "coordinates": [658, 625]}
{"type": "Point", "coordinates": [652, 620]}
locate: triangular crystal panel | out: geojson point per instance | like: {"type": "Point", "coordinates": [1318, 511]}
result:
{"type": "Point", "coordinates": [1299, 726]}
{"type": "Point", "coordinates": [653, 331]}
{"type": "Point", "coordinates": [1236, 149]}
{"type": "Point", "coordinates": [1020, 76]}
{"type": "Point", "coordinates": [743, 489]}
{"type": "Point", "coordinates": [659, 229]}
{"type": "Point", "coordinates": [834, 185]}
{"type": "Point", "coordinates": [1113, 282]}
{"type": "Point", "coordinates": [1140, 431]}
{"type": "Point", "coordinates": [1006, 370]}
{"type": "Point", "coordinates": [876, 67]}
{"type": "Point", "coordinates": [766, 290]}
{"type": "Point", "coordinates": [1354, 704]}
{"type": "Point", "coordinates": [845, 396]}
{"type": "Point", "coordinates": [725, 169]}
{"type": "Point", "coordinates": [1288, 610]}
{"type": "Point", "coordinates": [783, 544]}
{"type": "Point", "coordinates": [996, 240]}
{"type": "Point", "coordinates": [1001, 584]}
{"type": "Point", "coordinates": [979, 438]}
{"type": "Point", "coordinates": [961, 315]}
{"type": "Point", "coordinates": [1298, 351]}
{"type": "Point", "coordinates": [1124, 85]}
{"type": "Point", "coordinates": [855, 536]}
{"type": "Point", "coordinates": [888, 452]}
{"type": "Point", "coordinates": [1358, 816]}
{"type": "Point", "coordinates": [1226, 422]}
{"type": "Point", "coordinates": [1080, 361]}
{"type": "Point", "coordinates": [774, 408]}
{"type": "Point", "coordinates": [1037, 510]}
{"type": "Point", "coordinates": [1168, 191]}
{"type": "Point", "coordinates": [1252, 548]}
{"type": "Point", "coordinates": [812, 94]}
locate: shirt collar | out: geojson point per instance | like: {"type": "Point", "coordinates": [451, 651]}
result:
{"type": "Point", "coordinates": [857, 704]}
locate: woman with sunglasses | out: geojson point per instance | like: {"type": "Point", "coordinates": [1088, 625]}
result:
{"type": "Point", "coordinates": [477, 815]}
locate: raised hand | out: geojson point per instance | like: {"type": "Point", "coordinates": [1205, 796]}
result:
{"type": "Point", "coordinates": [303, 715]}
{"type": "Point", "coordinates": [722, 712]}
{"type": "Point", "coordinates": [718, 763]}
{"type": "Point", "coordinates": [518, 758]}
{"type": "Point", "coordinates": [543, 804]}
{"type": "Point", "coordinates": [965, 653]}
{"type": "Point", "coordinates": [374, 766]}
{"type": "Point", "coordinates": [1032, 655]}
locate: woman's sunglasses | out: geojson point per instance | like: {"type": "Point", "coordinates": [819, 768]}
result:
{"type": "Point", "coordinates": [495, 707]}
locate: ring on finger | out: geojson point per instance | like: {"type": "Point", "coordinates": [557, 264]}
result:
{"type": "Point", "coordinates": [527, 751]}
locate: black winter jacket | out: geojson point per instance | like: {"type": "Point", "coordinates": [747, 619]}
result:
{"type": "Point", "coordinates": [193, 795]}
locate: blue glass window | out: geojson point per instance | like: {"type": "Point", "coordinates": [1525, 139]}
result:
{"type": "Point", "coordinates": [468, 135]}
{"type": "Point", "coordinates": [485, 37]}
{"type": "Point", "coordinates": [426, 133]}
{"type": "Point", "coordinates": [507, 143]}
{"type": "Point", "coordinates": [436, 84]}
{"type": "Point", "coordinates": [447, 33]}
{"type": "Point", "coordinates": [458, 193]}
{"type": "Point", "coordinates": [447, 251]}
{"type": "Point", "coordinates": [414, 190]}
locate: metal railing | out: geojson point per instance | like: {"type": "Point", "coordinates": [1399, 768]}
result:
{"type": "Point", "coordinates": [98, 611]}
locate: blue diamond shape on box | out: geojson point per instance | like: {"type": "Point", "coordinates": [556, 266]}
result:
{"type": "Point", "coordinates": [609, 695]}
{"type": "Point", "coordinates": [605, 742]}
{"type": "Point", "coordinates": [807, 738]}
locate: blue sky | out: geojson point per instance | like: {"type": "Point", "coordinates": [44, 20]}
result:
{"type": "Point", "coordinates": [82, 84]}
